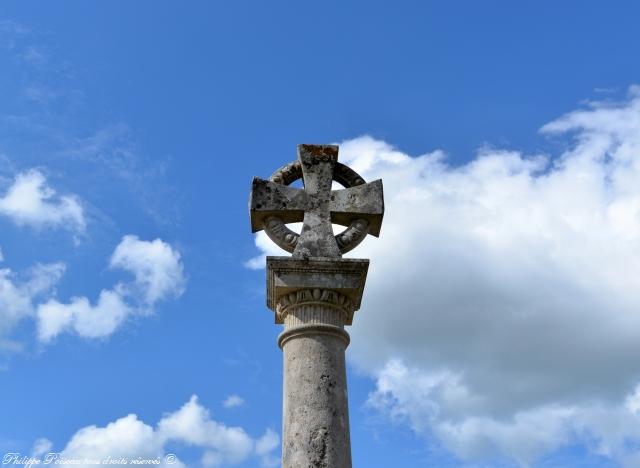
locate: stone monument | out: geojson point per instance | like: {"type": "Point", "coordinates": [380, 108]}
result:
{"type": "Point", "coordinates": [314, 293]}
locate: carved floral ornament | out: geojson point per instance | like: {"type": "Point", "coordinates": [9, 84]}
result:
{"type": "Point", "coordinates": [343, 304]}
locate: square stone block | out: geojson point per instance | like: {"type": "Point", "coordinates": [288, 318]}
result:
{"type": "Point", "coordinates": [285, 275]}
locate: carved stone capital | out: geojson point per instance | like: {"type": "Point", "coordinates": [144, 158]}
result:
{"type": "Point", "coordinates": [316, 290]}
{"type": "Point", "coordinates": [330, 307]}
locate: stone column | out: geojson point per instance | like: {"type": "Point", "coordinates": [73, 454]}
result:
{"type": "Point", "coordinates": [314, 293]}
{"type": "Point", "coordinates": [314, 299]}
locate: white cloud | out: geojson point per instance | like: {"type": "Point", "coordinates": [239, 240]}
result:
{"type": "Point", "coordinates": [86, 320]}
{"type": "Point", "coordinates": [158, 274]}
{"type": "Point", "coordinates": [633, 401]}
{"type": "Point", "coordinates": [1, 256]}
{"type": "Point", "coordinates": [191, 425]}
{"type": "Point", "coordinates": [42, 277]}
{"type": "Point", "coordinates": [19, 291]}
{"type": "Point", "coordinates": [155, 264]}
{"type": "Point", "coordinates": [265, 447]}
{"type": "Point", "coordinates": [126, 437]}
{"type": "Point", "coordinates": [508, 289]}
{"type": "Point", "coordinates": [29, 201]}
{"type": "Point", "coordinates": [233, 401]}
{"type": "Point", "coordinates": [41, 447]}
{"type": "Point", "coordinates": [266, 246]}
{"type": "Point", "coordinates": [439, 403]}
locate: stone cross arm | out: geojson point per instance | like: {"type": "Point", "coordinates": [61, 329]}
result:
{"type": "Point", "coordinates": [290, 203]}
{"type": "Point", "coordinates": [359, 206]}
{"type": "Point", "coordinates": [360, 202]}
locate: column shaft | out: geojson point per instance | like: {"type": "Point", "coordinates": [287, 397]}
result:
{"type": "Point", "coordinates": [315, 407]}
{"type": "Point", "coordinates": [315, 299]}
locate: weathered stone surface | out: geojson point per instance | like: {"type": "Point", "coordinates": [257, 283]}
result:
{"type": "Point", "coordinates": [315, 299]}
{"type": "Point", "coordinates": [289, 279]}
{"type": "Point", "coordinates": [314, 294]}
{"type": "Point", "coordinates": [315, 410]}
{"type": "Point", "coordinates": [359, 206]}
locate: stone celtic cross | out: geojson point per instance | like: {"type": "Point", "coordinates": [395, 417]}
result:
{"type": "Point", "coordinates": [359, 206]}
{"type": "Point", "coordinates": [314, 294]}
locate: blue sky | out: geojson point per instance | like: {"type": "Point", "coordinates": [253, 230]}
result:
{"type": "Point", "coordinates": [507, 138]}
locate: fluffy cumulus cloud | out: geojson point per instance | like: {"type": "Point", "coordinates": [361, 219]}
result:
{"type": "Point", "coordinates": [158, 274]}
{"type": "Point", "coordinates": [155, 265]}
{"type": "Point", "coordinates": [190, 426]}
{"type": "Point", "coordinates": [90, 321]}
{"type": "Point", "coordinates": [29, 201]}
{"type": "Point", "coordinates": [19, 292]}
{"type": "Point", "coordinates": [501, 309]}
